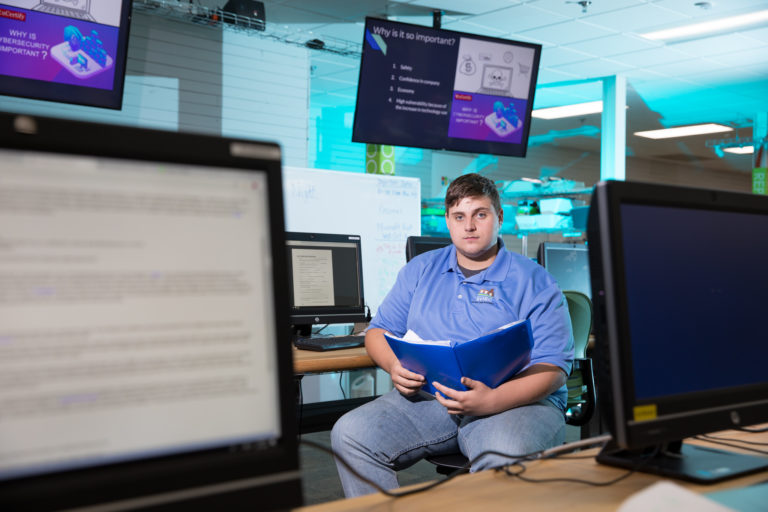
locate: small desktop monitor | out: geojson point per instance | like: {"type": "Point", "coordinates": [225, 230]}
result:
{"type": "Point", "coordinates": [144, 350]}
{"type": "Point", "coordinates": [568, 263]}
{"type": "Point", "coordinates": [679, 287]}
{"type": "Point", "coordinates": [325, 280]}
{"type": "Point", "coordinates": [416, 245]}
{"type": "Point", "coordinates": [71, 51]}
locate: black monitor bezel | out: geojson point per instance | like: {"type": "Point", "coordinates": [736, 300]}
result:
{"type": "Point", "coordinates": [311, 315]}
{"type": "Point", "coordinates": [235, 475]}
{"type": "Point", "coordinates": [75, 94]}
{"type": "Point", "coordinates": [542, 253]}
{"type": "Point", "coordinates": [690, 413]}
{"type": "Point", "coordinates": [412, 244]}
{"type": "Point", "coordinates": [456, 144]}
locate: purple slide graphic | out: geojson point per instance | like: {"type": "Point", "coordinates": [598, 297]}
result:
{"type": "Point", "coordinates": [28, 40]}
{"type": "Point", "coordinates": [482, 117]}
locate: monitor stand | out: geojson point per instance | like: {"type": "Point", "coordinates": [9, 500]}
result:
{"type": "Point", "coordinates": [687, 462]}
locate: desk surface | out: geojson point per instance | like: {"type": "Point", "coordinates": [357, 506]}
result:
{"type": "Point", "coordinates": [309, 361]}
{"type": "Point", "coordinates": [492, 490]}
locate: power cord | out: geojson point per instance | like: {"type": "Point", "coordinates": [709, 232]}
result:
{"type": "Point", "coordinates": [724, 441]}
{"type": "Point", "coordinates": [540, 454]}
{"type": "Point", "coordinates": [398, 494]}
{"type": "Point", "coordinates": [341, 387]}
{"type": "Point", "coordinates": [752, 430]}
{"type": "Point", "coordinates": [710, 437]}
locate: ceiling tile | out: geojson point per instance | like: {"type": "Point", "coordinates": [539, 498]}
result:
{"type": "Point", "coordinates": [756, 57]}
{"type": "Point", "coordinates": [613, 45]}
{"type": "Point", "coordinates": [731, 78]}
{"type": "Point", "coordinates": [685, 68]}
{"type": "Point", "coordinates": [594, 68]}
{"type": "Point", "coordinates": [574, 10]}
{"type": "Point", "coordinates": [567, 32]}
{"type": "Point", "coordinates": [465, 6]}
{"type": "Point", "coordinates": [635, 19]}
{"type": "Point", "coordinates": [640, 75]}
{"type": "Point", "coordinates": [761, 34]}
{"type": "Point", "coordinates": [548, 76]}
{"type": "Point", "coordinates": [725, 8]}
{"type": "Point", "coordinates": [718, 45]}
{"type": "Point", "coordinates": [558, 55]}
{"type": "Point", "coordinates": [474, 28]}
{"type": "Point", "coordinates": [517, 19]}
{"type": "Point", "coordinates": [652, 57]}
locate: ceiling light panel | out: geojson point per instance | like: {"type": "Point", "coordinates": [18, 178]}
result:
{"type": "Point", "coordinates": [743, 150]}
{"type": "Point", "coordinates": [713, 26]}
{"type": "Point", "coordinates": [684, 131]}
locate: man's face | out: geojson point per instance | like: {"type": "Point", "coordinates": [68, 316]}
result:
{"type": "Point", "coordinates": [474, 226]}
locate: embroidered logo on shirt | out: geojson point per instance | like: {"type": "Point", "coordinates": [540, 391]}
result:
{"type": "Point", "coordinates": [484, 296]}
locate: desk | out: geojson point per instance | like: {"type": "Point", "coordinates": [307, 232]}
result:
{"type": "Point", "coordinates": [309, 361]}
{"type": "Point", "coordinates": [322, 415]}
{"type": "Point", "coordinates": [491, 490]}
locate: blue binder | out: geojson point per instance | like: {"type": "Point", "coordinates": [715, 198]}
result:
{"type": "Point", "coordinates": [492, 358]}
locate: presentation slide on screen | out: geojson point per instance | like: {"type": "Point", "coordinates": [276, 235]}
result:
{"type": "Point", "coordinates": [444, 84]}
{"type": "Point", "coordinates": [62, 41]}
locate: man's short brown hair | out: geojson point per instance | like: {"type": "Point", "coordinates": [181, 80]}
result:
{"type": "Point", "coordinates": [472, 185]}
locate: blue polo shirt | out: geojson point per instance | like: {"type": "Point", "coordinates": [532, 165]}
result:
{"type": "Point", "coordinates": [433, 298]}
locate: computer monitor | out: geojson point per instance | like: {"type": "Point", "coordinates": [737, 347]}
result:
{"type": "Point", "coordinates": [415, 245]}
{"type": "Point", "coordinates": [71, 51]}
{"type": "Point", "coordinates": [325, 280]}
{"type": "Point", "coordinates": [143, 325]}
{"type": "Point", "coordinates": [568, 263]}
{"type": "Point", "coordinates": [679, 287]}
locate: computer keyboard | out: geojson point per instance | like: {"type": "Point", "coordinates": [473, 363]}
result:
{"type": "Point", "coordinates": [322, 343]}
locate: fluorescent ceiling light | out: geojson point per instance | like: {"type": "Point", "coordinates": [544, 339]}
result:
{"type": "Point", "coordinates": [577, 109]}
{"type": "Point", "coordinates": [684, 131]}
{"type": "Point", "coordinates": [742, 150]}
{"type": "Point", "coordinates": [708, 27]}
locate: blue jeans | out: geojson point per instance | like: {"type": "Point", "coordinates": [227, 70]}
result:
{"type": "Point", "coordinates": [394, 432]}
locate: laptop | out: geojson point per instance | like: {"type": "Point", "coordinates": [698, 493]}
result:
{"type": "Point", "coordinates": [78, 9]}
{"type": "Point", "coordinates": [496, 80]}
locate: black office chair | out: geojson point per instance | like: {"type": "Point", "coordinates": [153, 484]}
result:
{"type": "Point", "coordinates": [582, 397]}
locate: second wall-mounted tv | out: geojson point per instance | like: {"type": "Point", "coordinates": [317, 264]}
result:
{"type": "Point", "coordinates": [71, 51]}
{"type": "Point", "coordinates": [439, 89]}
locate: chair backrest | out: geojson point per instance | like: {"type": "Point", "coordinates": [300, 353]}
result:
{"type": "Point", "coordinates": [580, 309]}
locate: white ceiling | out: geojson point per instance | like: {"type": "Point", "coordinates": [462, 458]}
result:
{"type": "Point", "coordinates": [722, 79]}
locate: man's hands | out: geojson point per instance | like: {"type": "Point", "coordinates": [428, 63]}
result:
{"type": "Point", "coordinates": [405, 381]}
{"type": "Point", "coordinates": [477, 401]}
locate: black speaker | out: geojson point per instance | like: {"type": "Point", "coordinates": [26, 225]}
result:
{"type": "Point", "coordinates": [249, 13]}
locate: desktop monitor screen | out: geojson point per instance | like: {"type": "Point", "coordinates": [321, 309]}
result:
{"type": "Point", "coordinates": [325, 279]}
{"type": "Point", "coordinates": [143, 328]}
{"type": "Point", "coordinates": [679, 284]}
{"type": "Point", "coordinates": [72, 51]}
{"type": "Point", "coordinates": [439, 89]}
{"type": "Point", "coordinates": [568, 263]}
{"type": "Point", "coordinates": [416, 245]}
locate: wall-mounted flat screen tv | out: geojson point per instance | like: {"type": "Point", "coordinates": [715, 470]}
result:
{"type": "Point", "coordinates": [439, 89]}
{"type": "Point", "coordinates": [71, 51]}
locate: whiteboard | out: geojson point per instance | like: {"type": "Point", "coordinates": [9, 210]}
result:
{"type": "Point", "coordinates": [383, 210]}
